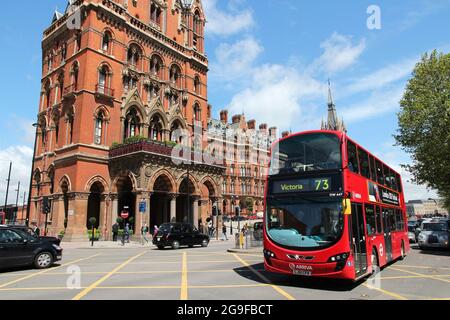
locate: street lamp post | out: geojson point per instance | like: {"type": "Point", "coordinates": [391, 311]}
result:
{"type": "Point", "coordinates": [31, 177]}
{"type": "Point", "coordinates": [17, 204]}
{"type": "Point", "coordinates": [7, 187]}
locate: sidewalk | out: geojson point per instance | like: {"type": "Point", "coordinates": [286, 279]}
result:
{"type": "Point", "coordinates": [109, 245]}
{"type": "Point", "coordinates": [258, 250]}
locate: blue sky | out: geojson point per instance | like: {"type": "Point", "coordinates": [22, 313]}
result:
{"type": "Point", "coordinates": [268, 58]}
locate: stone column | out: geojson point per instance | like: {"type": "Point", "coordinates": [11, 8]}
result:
{"type": "Point", "coordinates": [58, 215]}
{"type": "Point", "coordinates": [76, 228]}
{"type": "Point", "coordinates": [173, 207]}
{"type": "Point", "coordinates": [105, 223]}
{"type": "Point", "coordinates": [195, 211]}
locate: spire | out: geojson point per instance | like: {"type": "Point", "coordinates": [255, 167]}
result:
{"type": "Point", "coordinates": [333, 122]}
{"type": "Point", "coordinates": [330, 97]}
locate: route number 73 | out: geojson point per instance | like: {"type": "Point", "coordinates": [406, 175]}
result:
{"type": "Point", "coordinates": [322, 184]}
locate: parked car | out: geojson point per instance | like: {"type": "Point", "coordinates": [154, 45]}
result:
{"type": "Point", "coordinates": [176, 235]}
{"type": "Point", "coordinates": [434, 234]}
{"type": "Point", "coordinates": [413, 233]}
{"type": "Point", "coordinates": [30, 231]}
{"type": "Point", "coordinates": [19, 248]}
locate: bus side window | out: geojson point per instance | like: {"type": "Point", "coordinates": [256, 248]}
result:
{"type": "Point", "coordinates": [399, 220]}
{"type": "Point", "coordinates": [391, 218]}
{"type": "Point", "coordinates": [380, 176]}
{"type": "Point", "coordinates": [379, 220]}
{"type": "Point", "coordinates": [399, 185]}
{"type": "Point", "coordinates": [387, 179]}
{"type": "Point", "coordinates": [352, 157]}
{"type": "Point", "coordinates": [370, 220]}
{"type": "Point", "coordinates": [364, 163]}
{"type": "Point", "coordinates": [393, 180]}
{"type": "Point", "coordinates": [373, 169]}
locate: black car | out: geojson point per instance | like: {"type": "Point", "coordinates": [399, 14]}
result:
{"type": "Point", "coordinates": [33, 234]}
{"type": "Point", "coordinates": [19, 248]}
{"type": "Point", "coordinates": [176, 235]}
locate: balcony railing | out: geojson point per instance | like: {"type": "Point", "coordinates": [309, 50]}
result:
{"type": "Point", "coordinates": [69, 90]}
{"type": "Point", "coordinates": [155, 147]}
{"type": "Point", "coordinates": [104, 91]}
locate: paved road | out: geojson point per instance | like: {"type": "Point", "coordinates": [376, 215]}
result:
{"type": "Point", "coordinates": [213, 274]}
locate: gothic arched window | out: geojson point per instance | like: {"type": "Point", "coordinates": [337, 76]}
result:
{"type": "Point", "coordinates": [106, 41]}
{"type": "Point", "coordinates": [156, 67]}
{"type": "Point", "coordinates": [197, 113]}
{"type": "Point", "coordinates": [99, 123]}
{"type": "Point", "coordinates": [156, 129]}
{"type": "Point", "coordinates": [197, 85]}
{"type": "Point", "coordinates": [155, 13]}
{"type": "Point", "coordinates": [175, 76]}
{"type": "Point", "coordinates": [132, 124]}
{"type": "Point", "coordinates": [103, 79]}
{"type": "Point", "coordinates": [133, 55]}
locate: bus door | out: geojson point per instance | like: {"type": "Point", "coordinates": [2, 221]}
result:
{"type": "Point", "coordinates": [387, 235]}
{"type": "Point", "coordinates": [359, 239]}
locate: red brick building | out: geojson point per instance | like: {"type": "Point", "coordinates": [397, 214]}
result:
{"type": "Point", "coordinates": [120, 79]}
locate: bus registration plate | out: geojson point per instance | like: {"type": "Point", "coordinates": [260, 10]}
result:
{"type": "Point", "coordinates": [302, 273]}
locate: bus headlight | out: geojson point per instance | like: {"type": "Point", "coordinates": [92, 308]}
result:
{"type": "Point", "coordinates": [269, 254]}
{"type": "Point", "coordinates": [339, 257]}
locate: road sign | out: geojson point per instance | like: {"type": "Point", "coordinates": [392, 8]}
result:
{"type": "Point", "coordinates": [125, 214]}
{"type": "Point", "coordinates": [142, 207]}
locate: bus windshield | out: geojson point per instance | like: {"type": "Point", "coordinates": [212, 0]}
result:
{"type": "Point", "coordinates": [304, 223]}
{"type": "Point", "coordinates": [304, 153]}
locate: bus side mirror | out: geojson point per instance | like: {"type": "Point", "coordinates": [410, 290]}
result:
{"type": "Point", "coordinates": [347, 204]}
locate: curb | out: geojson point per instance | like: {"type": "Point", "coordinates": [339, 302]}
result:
{"type": "Point", "coordinates": [257, 250]}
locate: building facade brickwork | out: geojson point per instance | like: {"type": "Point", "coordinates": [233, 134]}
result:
{"type": "Point", "coordinates": [121, 79]}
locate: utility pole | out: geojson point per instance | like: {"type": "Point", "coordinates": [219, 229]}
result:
{"type": "Point", "coordinates": [23, 204]}
{"type": "Point", "coordinates": [17, 203]}
{"type": "Point", "coordinates": [7, 187]}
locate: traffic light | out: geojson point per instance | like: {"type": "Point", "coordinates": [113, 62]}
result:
{"type": "Point", "coordinates": [237, 211]}
{"type": "Point", "coordinates": [46, 207]}
{"type": "Point", "coordinates": [215, 211]}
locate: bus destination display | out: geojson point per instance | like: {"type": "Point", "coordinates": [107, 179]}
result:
{"type": "Point", "coordinates": [302, 185]}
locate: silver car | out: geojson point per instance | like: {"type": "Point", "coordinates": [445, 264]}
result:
{"type": "Point", "coordinates": [434, 234]}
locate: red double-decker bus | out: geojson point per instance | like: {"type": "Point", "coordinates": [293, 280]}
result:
{"type": "Point", "coordinates": [332, 209]}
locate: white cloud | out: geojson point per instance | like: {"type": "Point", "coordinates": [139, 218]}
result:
{"type": "Point", "coordinates": [275, 88]}
{"type": "Point", "coordinates": [382, 77]}
{"type": "Point", "coordinates": [339, 53]}
{"type": "Point", "coordinates": [395, 157]}
{"type": "Point", "coordinates": [378, 103]}
{"type": "Point", "coordinates": [21, 157]}
{"type": "Point", "coordinates": [223, 23]}
{"type": "Point", "coordinates": [235, 60]}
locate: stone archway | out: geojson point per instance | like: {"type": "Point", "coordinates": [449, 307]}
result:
{"type": "Point", "coordinates": [94, 204]}
{"type": "Point", "coordinates": [160, 203]}
{"type": "Point", "coordinates": [126, 199]}
{"type": "Point", "coordinates": [187, 202]}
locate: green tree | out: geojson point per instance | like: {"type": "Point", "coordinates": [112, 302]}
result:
{"type": "Point", "coordinates": [424, 123]}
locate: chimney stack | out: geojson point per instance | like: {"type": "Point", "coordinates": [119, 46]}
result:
{"type": "Point", "coordinates": [251, 125]}
{"type": "Point", "coordinates": [237, 118]}
{"type": "Point", "coordinates": [273, 132]}
{"type": "Point", "coordinates": [224, 116]}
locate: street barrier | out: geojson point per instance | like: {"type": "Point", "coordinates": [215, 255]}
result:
{"type": "Point", "coordinates": [250, 239]}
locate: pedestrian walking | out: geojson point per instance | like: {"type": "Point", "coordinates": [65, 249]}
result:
{"type": "Point", "coordinates": [115, 231]}
{"type": "Point", "coordinates": [210, 228]}
{"type": "Point", "coordinates": [224, 233]}
{"type": "Point", "coordinates": [36, 230]}
{"type": "Point", "coordinates": [127, 233]}
{"type": "Point", "coordinates": [155, 230]}
{"type": "Point", "coordinates": [144, 232]}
